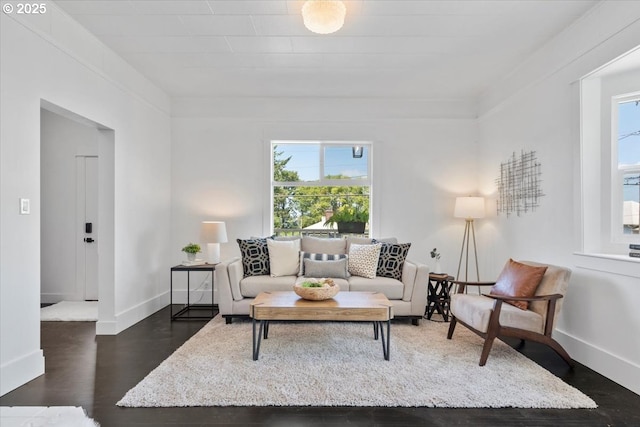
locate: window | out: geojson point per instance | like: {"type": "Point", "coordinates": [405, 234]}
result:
{"type": "Point", "coordinates": [313, 181]}
{"type": "Point", "coordinates": [626, 180]}
{"type": "Point", "coordinates": [610, 158]}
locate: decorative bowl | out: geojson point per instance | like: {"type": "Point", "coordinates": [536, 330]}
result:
{"type": "Point", "coordinates": [323, 289]}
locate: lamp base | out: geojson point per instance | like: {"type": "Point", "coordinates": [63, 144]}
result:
{"type": "Point", "coordinates": [213, 253]}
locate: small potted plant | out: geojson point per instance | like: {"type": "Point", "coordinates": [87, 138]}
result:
{"type": "Point", "coordinates": [349, 219]}
{"type": "Point", "coordinates": [191, 249]}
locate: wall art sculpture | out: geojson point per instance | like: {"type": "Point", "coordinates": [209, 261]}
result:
{"type": "Point", "coordinates": [519, 188]}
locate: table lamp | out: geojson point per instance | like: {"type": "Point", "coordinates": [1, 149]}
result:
{"type": "Point", "coordinates": [214, 233]}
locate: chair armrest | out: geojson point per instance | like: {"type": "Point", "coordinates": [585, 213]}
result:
{"type": "Point", "coordinates": [552, 297]}
{"type": "Point", "coordinates": [462, 284]}
{"type": "Point", "coordinates": [551, 306]}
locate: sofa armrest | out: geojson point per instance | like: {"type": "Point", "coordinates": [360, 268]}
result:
{"type": "Point", "coordinates": [416, 278]}
{"type": "Point", "coordinates": [227, 280]}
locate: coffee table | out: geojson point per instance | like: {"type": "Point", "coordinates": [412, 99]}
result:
{"type": "Point", "coordinates": [344, 307]}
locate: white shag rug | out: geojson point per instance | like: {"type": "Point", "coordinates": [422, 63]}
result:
{"type": "Point", "coordinates": [41, 416]}
{"type": "Point", "coordinates": [340, 364]}
{"type": "Point", "coordinates": [70, 311]}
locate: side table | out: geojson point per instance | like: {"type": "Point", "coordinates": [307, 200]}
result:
{"type": "Point", "coordinates": [438, 295]}
{"type": "Point", "coordinates": [183, 313]}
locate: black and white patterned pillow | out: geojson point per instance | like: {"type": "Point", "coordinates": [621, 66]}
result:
{"type": "Point", "coordinates": [255, 256]}
{"type": "Point", "coordinates": [317, 257]}
{"type": "Point", "coordinates": [391, 261]}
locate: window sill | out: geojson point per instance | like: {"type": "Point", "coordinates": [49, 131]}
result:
{"type": "Point", "coordinates": [608, 263]}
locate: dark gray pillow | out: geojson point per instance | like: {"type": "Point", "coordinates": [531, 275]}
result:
{"type": "Point", "coordinates": [334, 269]}
{"type": "Point", "coordinates": [255, 257]}
{"type": "Point", "coordinates": [318, 257]}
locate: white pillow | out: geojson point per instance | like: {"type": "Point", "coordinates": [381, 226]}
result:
{"type": "Point", "coordinates": [363, 260]}
{"type": "Point", "coordinates": [284, 257]}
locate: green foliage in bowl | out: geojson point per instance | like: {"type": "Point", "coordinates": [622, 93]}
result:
{"type": "Point", "coordinates": [311, 285]}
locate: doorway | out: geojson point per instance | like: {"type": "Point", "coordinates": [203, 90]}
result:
{"type": "Point", "coordinates": [76, 188]}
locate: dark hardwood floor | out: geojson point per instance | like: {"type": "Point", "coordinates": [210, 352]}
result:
{"type": "Point", "coordinates": [95, 372]}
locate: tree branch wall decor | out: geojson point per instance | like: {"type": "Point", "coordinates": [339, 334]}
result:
{"type": "Point", "coordinates": [519, 188]}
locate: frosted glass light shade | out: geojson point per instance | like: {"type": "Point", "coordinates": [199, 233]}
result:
{"type": "Point", "coordinates": [323, 16]}
{"type": "Point", "coordinates": [469, 207]}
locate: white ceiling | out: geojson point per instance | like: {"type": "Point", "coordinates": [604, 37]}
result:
{"type": "Point", "coordinates": [387, 48]}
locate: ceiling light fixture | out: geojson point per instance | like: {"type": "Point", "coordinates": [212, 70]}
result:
{"type": "Point", "coordinates": [323, 16]}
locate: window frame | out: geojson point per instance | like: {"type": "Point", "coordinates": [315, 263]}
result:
{"type": "Point", "coordinates": [618, 172]}
{"type": "Point", "coordinates": [322, 181]}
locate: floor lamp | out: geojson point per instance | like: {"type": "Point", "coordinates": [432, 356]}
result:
{"type": "Point", "coordinates": [469, 208]}
{"type": "Point", "coordinates": [214, 233]}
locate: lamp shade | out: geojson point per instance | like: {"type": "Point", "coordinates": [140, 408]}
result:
{"type": "Point", "coordinates": [323, 16]}
{"type": "Point", "coordinates": [469, 207]}
{"type": "Point", "coordinates": [214, 232]}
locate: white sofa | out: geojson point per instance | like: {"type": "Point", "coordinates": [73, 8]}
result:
{"type": "Point", "coordinates": [408, 295]}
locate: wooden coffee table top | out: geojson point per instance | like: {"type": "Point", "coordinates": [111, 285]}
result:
{"type": "Point", "coordinates": [345, 306]}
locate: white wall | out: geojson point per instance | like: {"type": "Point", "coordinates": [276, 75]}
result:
{"type": "Point", "coordinates": [424, 156]}
{"type": "Point", "coordinates": [537, 108]}
{"type": "Point", "coordinates": [62, 140]}
{"type": "Point", "coordinates": [51, 57]}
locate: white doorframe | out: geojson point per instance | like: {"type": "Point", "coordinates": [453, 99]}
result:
{"type": "Point", "coordinates": [87, 189]}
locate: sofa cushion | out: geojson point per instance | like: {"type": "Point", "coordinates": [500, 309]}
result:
{"type": "Point", "coordinates": [391, 260]}
{"type": "Point", "coordinates": [363, 260]}
{"type": "Point", "coordinates": [391, 288]}
{"type": "Point", "coordinates": [518, 280]}
{"type": "Point", "coordinates": [284, 257]}
{"type": "Point", "coordinates": [251, 286]}
{"type": "Point", "coordinates": [317, 257]}
{"type": "Point", "coordinates": [255, 256]}
{"type": "Point", "coordinates": [322, 245]}
{"type": "Point", "coordinates": [475, 310]}
{"type": "Point", "coordinates": [333, 269]}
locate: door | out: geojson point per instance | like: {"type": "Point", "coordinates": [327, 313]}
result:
{"type": "Point", "coordinates": [87, 227]}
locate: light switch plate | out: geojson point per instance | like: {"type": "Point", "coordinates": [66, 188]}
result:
{"type": "Point", "coordinates": [25, 206]}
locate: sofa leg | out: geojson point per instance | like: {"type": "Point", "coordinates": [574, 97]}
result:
{"type": "Point", "coordinates": [415, 321]}
{"type": "Point", "coordinates": [228, 320]}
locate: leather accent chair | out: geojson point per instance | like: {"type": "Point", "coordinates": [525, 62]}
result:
{"type": "Point", "coordinates": [490, 317]}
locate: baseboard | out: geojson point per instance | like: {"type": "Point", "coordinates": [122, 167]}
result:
{"type": "Point", "coordinates": [623, 372]}
{"type": "Point", "coordinates": [131, 316]}
{"type": "Point", "coordinates": [20, 371]}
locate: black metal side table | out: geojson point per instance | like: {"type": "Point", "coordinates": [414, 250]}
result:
{"type": "Point", "coordinates": [184, 312]}
{"type": "Point", "coordinates": [439, 295]}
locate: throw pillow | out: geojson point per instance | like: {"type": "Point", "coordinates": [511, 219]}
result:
{"type": "Point", "coordinates": [283, 257]}
{"type": "Point", "coordinates": [391, 261]}
{"type": "Point", "coordinates": [518, 280]}
{"type": "Point", "coordinates": [335, 269]}
{"type": "Point", "coordinates": [363, 260]}
{"type": "Point", "coordinates": [255, 256]}
{"type": "Point", "coordinates": [317, 257]}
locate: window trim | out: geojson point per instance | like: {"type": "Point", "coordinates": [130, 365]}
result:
{"type": "Point", "coordinates": [322, 182]}
{"type": "Point", "coordinates": [617, 235]}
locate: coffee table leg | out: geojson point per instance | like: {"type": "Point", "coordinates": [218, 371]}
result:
{"type": "Point", "coordinates": [266, 329]}
{"type": "Point", "coordinates": [387, 341]}
{"type": "Point", "coordinates": [256, 339]}
{"type": "Point", "coordinates": [375, 331]}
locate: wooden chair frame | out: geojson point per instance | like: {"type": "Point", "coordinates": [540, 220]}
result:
{"type": "Point", "coordinates": [494, 329]}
